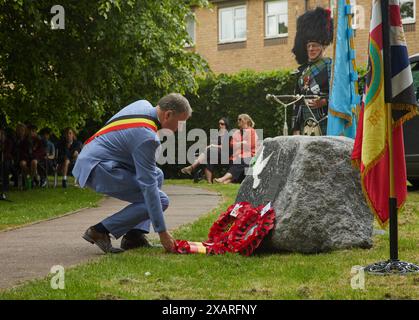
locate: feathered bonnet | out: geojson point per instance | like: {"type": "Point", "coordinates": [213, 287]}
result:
{"type": "Point", "coordinates": [314, 25]}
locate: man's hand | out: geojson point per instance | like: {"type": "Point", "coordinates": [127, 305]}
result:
{"type": "Point", "coordinates": [316, 103]}
{"type": "Point", "coordinates": [167, 241]}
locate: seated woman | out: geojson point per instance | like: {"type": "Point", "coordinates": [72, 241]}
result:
{"type": "Point", "coordinates": [243, 144]}
{"type": "Point", "coordinates": [37, 153]}
{"type": "Point", "coordinates": [213, 155]}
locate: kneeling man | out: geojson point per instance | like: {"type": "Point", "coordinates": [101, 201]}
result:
{"type": "Point", "coordinates": [120, 161]}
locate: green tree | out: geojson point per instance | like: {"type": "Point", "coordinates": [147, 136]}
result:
{"type": "Point", "coordinates": [109, 54]}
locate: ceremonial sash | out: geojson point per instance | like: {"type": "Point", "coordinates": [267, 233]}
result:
{"type": "Point", "coordinates": [127, 122]}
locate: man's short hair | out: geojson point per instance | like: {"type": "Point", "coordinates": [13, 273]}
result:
{"type": "Point", "coordinates": [175, 102]}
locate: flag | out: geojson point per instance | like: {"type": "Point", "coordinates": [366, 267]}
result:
{"type": "Point", "coordinates": [344, 99]}
{"type": "Point", "coordinates": [389, 81]}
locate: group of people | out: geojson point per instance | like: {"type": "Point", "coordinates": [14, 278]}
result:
{"type": "Point", "coordinates": [232, 151]}
{"type": "Point", "coordinates": [29, 155]}
{"type": "Point", "coordinates": [120, 159]}
{"type": "Point", "coordinates": [314, 34]}
{"type": "Point", "coordinates": [309, 117]}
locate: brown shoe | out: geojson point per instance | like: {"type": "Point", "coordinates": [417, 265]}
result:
{"type": "Point", "coordinates": [102, 240]}
{"type": "Point", "coordinates": [133, 240]}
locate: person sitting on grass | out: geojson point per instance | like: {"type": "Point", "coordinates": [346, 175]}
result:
{"type": "Point", "coordinates": [22, 152]}
{"type": "Point", "coordinates": [213, 155]}
{"type": "Point", "coordinates": [45, 134]}
{"type": "Point", "coordinates": [68, 151]}
{"type": "Point", "coordinates": [244, 144]}
{"type": "Point", "coordinates": [37, 154]}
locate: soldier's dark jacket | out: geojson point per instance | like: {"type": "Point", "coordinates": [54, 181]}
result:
{"type": "Point", "coordinates": [313, 79]}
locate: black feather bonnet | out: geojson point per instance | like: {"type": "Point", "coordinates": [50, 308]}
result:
{"type": "Point", "coordinates": [314, 25]}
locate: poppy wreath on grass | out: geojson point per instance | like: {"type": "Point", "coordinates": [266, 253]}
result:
{"type": "Point", "coordinates": [250, 229]}
{"type": "Point", "coordinates": [219, 232]}
{"type": "Point", "coordinates": [239, 229]}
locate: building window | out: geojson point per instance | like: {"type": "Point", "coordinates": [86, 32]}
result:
{"type": "Point", "coordinates": [190, 28]}
{"type": "Point", "coordinates": [357, 13]}
{"type": "Point", "coordinates": [276, 19]}
{"type": "Point", "coordinates": [232, 24]}
{"type": "Point", "coordinates": [408, 11]}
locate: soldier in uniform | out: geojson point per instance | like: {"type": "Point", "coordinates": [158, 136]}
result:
{"type": "Point", "coordinates": [314, 33]}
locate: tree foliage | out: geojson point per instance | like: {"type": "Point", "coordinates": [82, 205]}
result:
{"type": "Point", "coordinates": [109, 54]}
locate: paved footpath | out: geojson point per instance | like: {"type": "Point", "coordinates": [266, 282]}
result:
{"type": "Point", "coordinates": [30, 252]}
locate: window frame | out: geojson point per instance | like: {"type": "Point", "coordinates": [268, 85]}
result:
{"type": "Point", "coordinates": [279, 35]}
{"type": "Point", "coordinates": [190, 45]}
{"type": "Point", "coordinates": [233, 8]}
{"type": "Point", "coordinates": [410, 20]}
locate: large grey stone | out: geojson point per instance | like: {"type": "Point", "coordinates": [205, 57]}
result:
{"type": "Point", "coordinates": [315, 192]}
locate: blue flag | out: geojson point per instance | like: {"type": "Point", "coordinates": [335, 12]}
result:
{"type": "Point", "coordinates": [344, 99]}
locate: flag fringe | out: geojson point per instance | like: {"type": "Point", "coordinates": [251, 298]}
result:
{"type": "Point", "coordinates": [413, 111]}
{"type": "Point", "coordinates": [364, 174]}
{"type": "Point", "coordinates": [357, 162]}
{"type": "Point", "coordinates": [341, 115]}
{"type": "Point", "coordinates": [382, 224]}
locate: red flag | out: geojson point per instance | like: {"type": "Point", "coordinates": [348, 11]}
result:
{"type": "Point", "coordinates": [386, 83]}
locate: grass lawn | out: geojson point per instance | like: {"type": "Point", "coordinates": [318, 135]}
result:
{"type": "Point", "coordinates": [40, 204]}
{"type": "Point", "coordinates": [268, 276]}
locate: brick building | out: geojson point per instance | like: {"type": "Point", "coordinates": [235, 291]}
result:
{"type": "Point", "coordinates": [234, 35]}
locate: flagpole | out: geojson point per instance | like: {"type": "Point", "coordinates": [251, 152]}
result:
{"type": "Point", "coordinates": [393, 228]}
{"type": "Point", "coordinates": [394, 248]}
{"type": "Point", "coordinates": [393, 265]}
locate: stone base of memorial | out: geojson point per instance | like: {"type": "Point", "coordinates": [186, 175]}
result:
{"type": "Point", "coordinates": [315, 192]}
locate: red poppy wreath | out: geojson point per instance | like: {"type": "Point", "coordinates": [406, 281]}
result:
{"type": "Point", "coordinates": [239, 229]}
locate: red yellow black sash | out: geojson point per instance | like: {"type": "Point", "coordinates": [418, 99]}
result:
{"type": "Point", "coordinates": [127, 122]}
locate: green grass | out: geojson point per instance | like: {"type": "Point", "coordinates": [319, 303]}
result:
{"type": "Point", "coordinates": [269, 276]}
{"type": "Point", "coordinates": [40, 204]}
